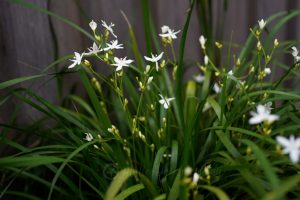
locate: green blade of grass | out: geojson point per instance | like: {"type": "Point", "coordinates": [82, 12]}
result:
{"type": "Point", "coordinates": [156, 163]}
{"type": "Point", "coordinates": [28, 161]}
{"type": "Point", "coordinates": [102, 116]}
{"type": "Point", "coordinates": [122, 177]}
{"type": "Point", "coordinates": [129, 191]}
{"type": "Point", "coordinates": [65, 162]}
{"type": "Point", "coordinates": [12, 82]}
{"type": "Point", "coordinates": [284, 188]}
{"type": "Point", "coordinates": [264, 163]}
{"type": "Point", "coordinates": [217, 191]}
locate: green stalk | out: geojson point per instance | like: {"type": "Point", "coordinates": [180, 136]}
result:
{"type": "Point", "coordinates": [147, 27]}
{"type": "Point", "coordinates": [179, 83]}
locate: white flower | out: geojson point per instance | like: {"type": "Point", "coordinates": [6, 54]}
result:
{"type": "Point", "coordinates": [196, 177]}
{"type": "Point", "coordinates": [165, 101]}
{"type": "Point", "coordinates": [216, 88]}
{"type": "Point", "coordinates": [88, 137]}
{"type": "Point", "coordinates": [76, 60]}
{"type": "Point", "coordinates": [267, 70]}
{"type": "Point", "coordinates": [168, 33]}
{"type": "Point", "coordinates": [199, 78]}
{"type": "Point", "coordinates": [205, 60]}
{"type": "Point", "coordinates": [261, 24]}
{"type": "Point", "coordinates": [263, 114]}
{"type": "Point", "coordinates": [295, 53]}
{"type": "Point", "coordinates": [290, 146]}
{"type": "Point", "coordinates": [108, 27]}
{"type": "Point", "coordinates": [230, 73]}
{"type": "Point", "coordinates": [113, 45]}
{"type": "Point", "coordinates": [202, 41]}
{"type": "Point", "coordinates": [93, 50]}
{"type": "Point", "coordinates": [93, 25]}
{"type": "Point", "coordinates": [121, 62]}
{"type": "Point", "coordinates": [154, 58]}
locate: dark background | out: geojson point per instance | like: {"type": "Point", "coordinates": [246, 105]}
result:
{"type": "Point", "coordinates": [30, 40]}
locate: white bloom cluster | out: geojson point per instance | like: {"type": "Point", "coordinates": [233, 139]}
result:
{"type": "Point", "coordinates": [262, 114]}
{"type": "Point", "coordinates": [168, 33]}
{"type": "Point", "coordinates": [95, 49]}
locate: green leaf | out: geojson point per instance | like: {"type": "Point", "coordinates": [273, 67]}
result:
{"type": "Point", "coordinates": [217, 191]}
{"type": "Point", "coordinates": [129, 191]}
{"type": "Point", "coordinates": [102, 116]}
{"type": "Point", "coordinates": [174, 156]}
{"type": "Point", "coordinates": [12, 82]}
{"type": "Point", "coordinates": [118, 181]}
{"type": "Point", "coordinates": [28, 161]}
{"type": "Point", "coordinates": [264, 163]}
{"type": "Point", "coordinates": [65, 162]}
{"type": "Point", "coordinates": [156, 164]}
{"type": "Point", "coordinates": [285, 186]}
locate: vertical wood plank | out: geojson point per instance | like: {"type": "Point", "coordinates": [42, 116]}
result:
{"type": "Point", "coordinates": [26, 48]}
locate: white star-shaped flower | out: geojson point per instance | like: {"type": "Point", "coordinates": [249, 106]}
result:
{"type": "Point", "coordinates": [290, 146]}
{"type": "Point", "coordinates": [168, 33]}
{"type": "Point", "coordinates": [230, 73]}
{"type": "Point", "coordinates": [261, 24]}
{"type": "Point", "coordinates": [295, 53]}
{"type": "Point", "coordinates": [93, 25]}
{"type": "Point", "coordinates": [113, 45]}
{"type": "Point", "coordinates": [109, 27]}
{"type": "Point", "coordinates": [76, 60]}
{"type": "Point", "coordinates": [263, 115]}
{"type": "Point", "coordinates": [202, 41]}
{"type": "Point", "coordinates": [88, 137]}
{"type": "Point", "coordinates": [165, 101]}
{"type": "Point", "coordinates": [154, 58]}
{"type": "Point", "coordinates": [121, 62]}
{"type": "Point", "coordinates": [93, 50]}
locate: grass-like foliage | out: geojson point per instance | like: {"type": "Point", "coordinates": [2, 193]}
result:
{"type": "Point", "coordinates": [146, 132]}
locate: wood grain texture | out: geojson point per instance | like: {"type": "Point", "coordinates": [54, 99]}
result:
{"type": "Point", "coordinates": [26, 48]}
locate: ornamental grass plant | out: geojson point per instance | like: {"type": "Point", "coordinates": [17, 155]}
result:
{"type": "Point", "coordinates": [145, 132]}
